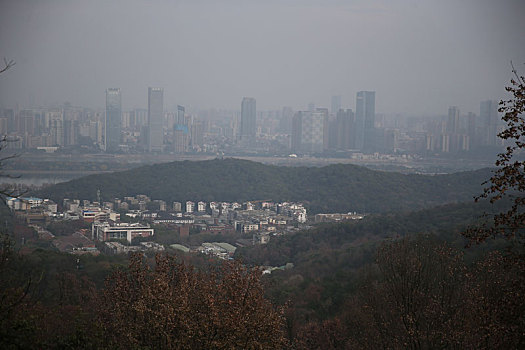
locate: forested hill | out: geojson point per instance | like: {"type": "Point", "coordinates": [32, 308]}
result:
{"type": "Point", "coordinates": [334, 188]}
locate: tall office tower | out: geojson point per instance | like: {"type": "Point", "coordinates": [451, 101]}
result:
{"type": "Point", "coordinates": [336, 104]}
{"type": "Point", "coordinates": [365, 112]}
{"type": "Point", "coordinates": [182, 131]}
{"type": "Point", "coordinates": [453, 120]}
{"type": "Point", "coordinates": [180, 114]}
{"type": "Point", "coordinates": [155, 119]}
{"type": "Point", "coordinates": [113, 119]}
{"type": "Point", "coordinates": [489, 118]}
{"type": "Point", "coordinates": [345, 129]}
{"type": "Point", "coordinates": [248, 121]}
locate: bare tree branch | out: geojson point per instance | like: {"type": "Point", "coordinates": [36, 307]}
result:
{"type": "Point", "coordinates": [7, 65]}
{"type": "Point", "coordinates": [9, 191]}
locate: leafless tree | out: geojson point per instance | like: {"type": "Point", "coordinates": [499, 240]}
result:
{"type": "Point", "coordinates": [6, 191]}
{"type": "Point", "coordinates": [7, 65]}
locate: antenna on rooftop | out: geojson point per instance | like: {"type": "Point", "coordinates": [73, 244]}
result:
{"type": "Point", "coordinates": [98, 196]}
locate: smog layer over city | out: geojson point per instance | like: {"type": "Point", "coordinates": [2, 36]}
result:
{"type": "Point", "coordinates": [278, 174]}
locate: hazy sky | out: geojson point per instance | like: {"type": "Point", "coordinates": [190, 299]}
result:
{"type": "Point", "coordinates": [420, 56]}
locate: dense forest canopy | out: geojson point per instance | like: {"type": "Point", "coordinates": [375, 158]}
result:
{"type": "Point", "coordinates": [333, 188]}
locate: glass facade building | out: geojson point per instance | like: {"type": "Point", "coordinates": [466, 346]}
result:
{"type": "Point", "coordinates": [113, 119]}
{"type": "Point", "coordinates": [248, 120]}
{"type": "Point", "coordinates": [155, 119]}
{"type": "Point", "coordinates": [365, 112]}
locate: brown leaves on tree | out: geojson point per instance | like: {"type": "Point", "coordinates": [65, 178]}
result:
{"type": "Point", "coordinates": [508, 181]}
{"type": "Point", "coordinates": [173, 306]}
{"type": "Point", "coordinates": [426, 297]}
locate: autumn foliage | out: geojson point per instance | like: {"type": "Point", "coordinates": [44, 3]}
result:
{"type": "Point", "coordinates": [426, 297]}
{"type": "Point", "coordinates": [174, 306]}
{"type": "Point", "coordinates": [508, 181]}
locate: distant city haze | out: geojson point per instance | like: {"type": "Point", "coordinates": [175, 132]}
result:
{"type": "Point", "coordinates": [420, 57]}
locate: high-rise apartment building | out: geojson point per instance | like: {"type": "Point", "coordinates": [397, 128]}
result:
{"type": "Point", "coordinates": [113, 119]}
{"type": "Point", "coordinates": [155, 119]}
{"type": "Point", "coordinates": [365, 119]}
{"type": "Point", "coordinates": [248, 120]}
{"type": "Point", "coordinates": [310, 132]}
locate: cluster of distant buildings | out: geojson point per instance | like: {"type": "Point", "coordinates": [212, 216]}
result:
{"type": "Point", "coordinates": [256, 221]}
{"type": "Point", "coordinates": [317, 130]}
{"type": "Point", "coordinates": [313, 131]}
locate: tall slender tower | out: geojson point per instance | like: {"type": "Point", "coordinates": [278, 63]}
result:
{"type": "Point", "coordinates": [248, 120]}
{"type": "Point", "coordinates": [453, 120]}
{"type": "Point", "coordinates": [155, 119]}
{"type": "Point", "coordinates": [365, 112]}
{"type": "Point", "coordinates": [113, 119]}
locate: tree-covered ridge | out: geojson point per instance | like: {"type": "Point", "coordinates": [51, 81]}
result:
{"type": "Point", "coordinates": [333, 188]}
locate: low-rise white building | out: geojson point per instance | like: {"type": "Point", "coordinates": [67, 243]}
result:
{"type": "Point", "coordinates": [190, 207]}
{"type": "Point", "coordinates": [104, 231]}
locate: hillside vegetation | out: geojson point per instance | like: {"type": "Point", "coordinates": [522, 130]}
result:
{"type": "Point", "coordinates": [334, 188]}
{"type": "Point", "coordinates": [332, 260]}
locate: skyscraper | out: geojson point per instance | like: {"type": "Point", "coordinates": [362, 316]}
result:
{"type": "Point", "coordinates": [155, 119]}
{"type": "Point", "coordinates": [181, 132]}
{"type": "Point", "coordinates": [113, 119]}
{"type": "Point", "coordinates": [248, 120]}
{"type": "Point", "coordinates": [365, 119]}
{"type": "Point", "coordinates": [453, 120]}
{"type": "Point", "coordinates": [181, 111]}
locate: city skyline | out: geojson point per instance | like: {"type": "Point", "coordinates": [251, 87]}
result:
{"type": "Point", "coordinates": [420, 57]}
{"type": "Point", "coordinates": [314, 131]}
